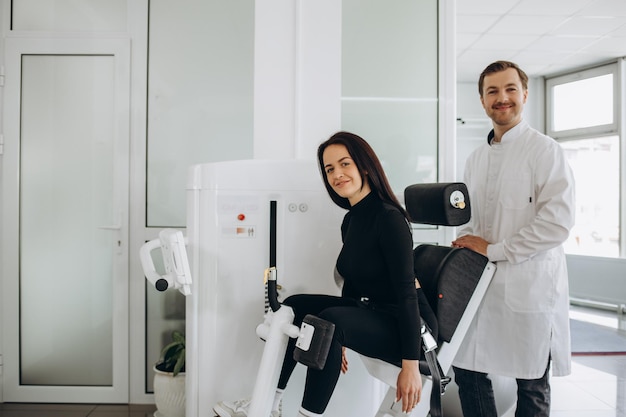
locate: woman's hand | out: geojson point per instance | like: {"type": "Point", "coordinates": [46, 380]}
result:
{"type": "Point", "coordinates": [409, 385]}
{"type": "Point", "coordinates": [344, 360]}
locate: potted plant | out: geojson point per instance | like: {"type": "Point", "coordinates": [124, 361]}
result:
{"type": "Point", "coordinates": [169, 378]}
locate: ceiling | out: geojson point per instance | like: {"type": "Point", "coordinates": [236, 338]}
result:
{"type": "Point", "coordinates": [543, 37]}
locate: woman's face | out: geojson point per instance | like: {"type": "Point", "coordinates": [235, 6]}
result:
{"type": "Point", "coordinates": [343, 175]}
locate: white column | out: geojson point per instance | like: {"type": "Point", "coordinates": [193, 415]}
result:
{"type": "Point", "coordinates": [274, 78]}
{"type": "Point", "coordinates": [297, 76]}
{"type": "Point", "coordinates": [318, 74]}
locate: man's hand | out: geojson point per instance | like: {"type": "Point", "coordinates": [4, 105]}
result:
{"type": "Point", "coordinates": [475, 243]}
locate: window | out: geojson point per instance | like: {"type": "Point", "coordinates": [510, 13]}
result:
{"type": "Point", "coordinates": [595, 163]}
{"type": "Point", "coordinates": [569, 114]}
{"type": "Point", "coordinates": [583, 116]}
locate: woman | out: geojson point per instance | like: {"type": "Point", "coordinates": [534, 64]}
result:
{"type": "Point", "coordinates": [378, 312]}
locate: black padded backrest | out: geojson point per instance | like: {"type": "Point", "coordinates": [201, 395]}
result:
{"type": "Point", "coordinates": [442, 204]}
{"type": "Point", "coordinates": [426, 261]}
{"type": "Point", "coordinates": [448, 277]}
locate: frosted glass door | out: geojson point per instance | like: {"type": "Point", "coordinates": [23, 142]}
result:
{"type": "Point", "coordinates": [66, 189]}
{"type": "Point", "coordinates": [66, 186]}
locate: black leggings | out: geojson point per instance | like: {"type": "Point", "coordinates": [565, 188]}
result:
{"type": "Point", "coordinates": [369, 331]}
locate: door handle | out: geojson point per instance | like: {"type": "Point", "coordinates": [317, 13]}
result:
{"type": "Point", "coordinates": [118, 227]}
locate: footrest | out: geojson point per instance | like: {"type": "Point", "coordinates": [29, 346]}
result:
{"type": "Point", "coordinates": [313, 344]}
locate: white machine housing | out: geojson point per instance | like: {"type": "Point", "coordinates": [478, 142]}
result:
{"type": "Point", "coordinates": [228, 223]}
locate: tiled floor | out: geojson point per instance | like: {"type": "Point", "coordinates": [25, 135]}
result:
{"type": "Point", "coordinates": [75, 410]}
{"type": "Point", "coordinates": [597, 384]}
{"type": "Point", "coordinates": [596, 387]}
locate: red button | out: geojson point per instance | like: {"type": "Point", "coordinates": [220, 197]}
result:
{"type": "Point", "coordinates": [241, 217]}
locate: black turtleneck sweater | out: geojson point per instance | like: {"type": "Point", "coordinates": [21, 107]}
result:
{"type": "Point", "coordinates": [376, 262]}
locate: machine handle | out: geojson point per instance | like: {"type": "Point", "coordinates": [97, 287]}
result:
{"type": "Point", "coordinates": [272, 290]}
{"type": "Point", "coordinates": [159, 282]}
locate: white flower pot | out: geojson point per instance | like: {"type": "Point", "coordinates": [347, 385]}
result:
{"type": "Point", "coordinates": [169, 394]}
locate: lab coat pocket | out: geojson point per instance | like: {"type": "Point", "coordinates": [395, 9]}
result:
{"type": "Point", "coordinates": [516, 191]}
{"type": "Point", "coordinates": [530, 286]}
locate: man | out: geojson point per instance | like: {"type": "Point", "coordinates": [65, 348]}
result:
{"type": "Point", "coordinates": [522, 195]}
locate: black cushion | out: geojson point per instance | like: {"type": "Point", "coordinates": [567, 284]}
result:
{"type": "Point", "coordinates": [441, 204]}
{"type": "Point", "coordinates": [448, 277]}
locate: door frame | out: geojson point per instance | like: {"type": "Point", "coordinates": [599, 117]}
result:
{"type": "Point", "coordinates": [12, 391]}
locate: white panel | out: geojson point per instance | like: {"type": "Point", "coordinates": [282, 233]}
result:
{"type": "Point", "coordinates": [69, 15]}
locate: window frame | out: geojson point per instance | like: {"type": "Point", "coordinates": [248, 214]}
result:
{"type": "Point", "coordinates": [618, 69]}
{"type": "Point", "coordinates": [591, 131]}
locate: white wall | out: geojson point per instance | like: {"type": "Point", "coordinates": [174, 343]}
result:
{"type": "Point", "coordinates": [597, 279]}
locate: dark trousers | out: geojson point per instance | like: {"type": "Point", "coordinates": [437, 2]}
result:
{"type": "Point", "coordinates": [368, 330]}
{"type": "Point", "coordinates": [477, 397]}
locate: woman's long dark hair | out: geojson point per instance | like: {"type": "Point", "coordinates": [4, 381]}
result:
{"type": "Point", "coordinates": [368, 165]}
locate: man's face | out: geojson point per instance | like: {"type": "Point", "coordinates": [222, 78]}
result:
{"type": "Point", "coordinates": [503, 98]}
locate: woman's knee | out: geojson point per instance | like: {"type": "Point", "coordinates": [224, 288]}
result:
{"type": "Point", "coordinates": [328, 314]}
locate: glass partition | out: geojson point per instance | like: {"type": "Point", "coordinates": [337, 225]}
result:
{"type": "Point", "coordinates": [200, 96]}
{"type": "Point", "coordinates": [69, 15]}
{"type": "Point", "coordinates": [390, 84]}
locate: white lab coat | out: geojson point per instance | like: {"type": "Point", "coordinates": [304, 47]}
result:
{"type": "Point", "coordinates": [522, 201]}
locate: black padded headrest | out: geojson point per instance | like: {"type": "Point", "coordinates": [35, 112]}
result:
{"type": "Point", "coordinates": [441, 204]}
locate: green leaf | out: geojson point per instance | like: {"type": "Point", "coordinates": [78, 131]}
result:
{"type": "Point", "coordinates": [173, 354]}
{"type": "Point", "coordinates": [180, 363]}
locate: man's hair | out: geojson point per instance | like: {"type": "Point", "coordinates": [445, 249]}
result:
{"type": "Point", "coordinates": [501, 66]}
